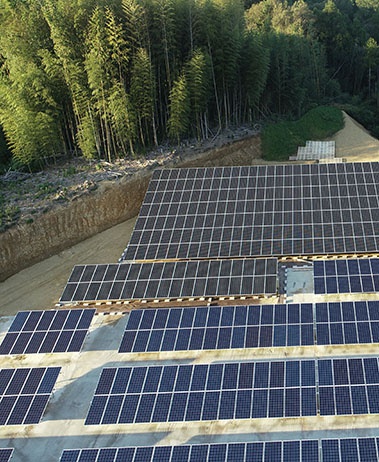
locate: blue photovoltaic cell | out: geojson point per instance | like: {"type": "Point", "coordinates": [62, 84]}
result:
{"type": "Point", "coordinates": [204, 392]}
{"type": "Point", "coordinates": [5, 454]}
{"type": "Point", "coordinates": [346, 276]}
{"type": "Point", "coordinates": [181, 279]}
{"type": "Point", "coordinates": [24, 394]}
{"type": "Point", "coordinates": [47, 331]}
{"type": "Point", "coordinates": [218, 328]}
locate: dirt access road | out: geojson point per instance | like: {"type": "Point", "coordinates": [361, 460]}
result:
{"type": "Point", "coordinates": [41, 285]}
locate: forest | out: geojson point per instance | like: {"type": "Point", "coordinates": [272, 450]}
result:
{"type": "Point", "coordinates": [108, 79]}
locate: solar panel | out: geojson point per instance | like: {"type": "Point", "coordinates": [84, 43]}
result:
{"type": "Point", "coordinates": [5, 454]}
{"type": "Point", "coordinates": [350, 449]}
{"type": "Point", "coordinates": [203, 392]}
{"type": "Point", "coordinates": [349, 386]}
{"type": "Point", "coordinates": [214, 327]}
{"type": "Point", "coordinates": [346, 276]}
{"type": "Point", "coordinates": [47, 332]}
{"type": "Point", "coordinates": [255, 326]}
{"type": "Point", "coordinates": [266, 210]}
{"type": "Point", "coordinates": [316, 150]}
{"type": "Point", "coordinates": [347, 322]}
{"type": "Point", "coordinates": [24, 394]}
{"type": "Point", "coordinates": [286, 451]}
{"type": "Point", "coordinates": [182, 279]}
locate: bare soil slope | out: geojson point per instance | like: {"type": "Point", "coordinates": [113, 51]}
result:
{"type": "Point", "coordinates": [354, 142]}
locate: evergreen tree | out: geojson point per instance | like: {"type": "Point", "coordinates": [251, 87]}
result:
{"type": "Point", "coordinates": [99, 80]}
{"type": "Point", "coordinates": [67, 23]}
{"type": "Point", "coordinates": [254, 71]}
{"type": "Point", "coordinates": [179, 109]}
{"type": "Point", "coordinates": [118, 47]}
{"type": "Point", "coordinates": [122, 118]}
{"type": "Point", "coordinates": [143, 96]}
{"type": "Point", "coordinates": [372, 61]}
{"type": "Point", "coordinates": [30, 112]}
{"type": "Point", "coordinates": [198, 78]}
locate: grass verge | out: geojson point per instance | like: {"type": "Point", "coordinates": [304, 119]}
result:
{"type": "Point", "coordinates": [281, 140]}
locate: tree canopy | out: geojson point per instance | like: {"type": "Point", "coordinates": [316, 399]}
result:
{"type": "Point", "coordinates": [109, 78]}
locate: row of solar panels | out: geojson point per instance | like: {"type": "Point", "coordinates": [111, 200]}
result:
{"type": "Point", "coordinates": [203, 328]}
{"type": "Point", "coordinates": [258, 211]}
{"type": "Point", "coordinates": [241, 390]}
{"type": "Point", "coordinates": [281, 325]}
{"type": "Point", "coordinates": [210, 278]}
{"type": "Point", "coordinates": [346, 276]}
{"type": "Point", "coordinates": [182, 279]}
{"type": "Point", "coordinates": [324, 450]}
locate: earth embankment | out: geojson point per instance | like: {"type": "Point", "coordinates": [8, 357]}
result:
{"type": "Point", "coordinates": [112, 203]}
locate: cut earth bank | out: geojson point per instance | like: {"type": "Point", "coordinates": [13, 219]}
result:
{"type": "Point", "coordinates": [114, 203]}
{"type": "Point", "coordinates": [92, 229]}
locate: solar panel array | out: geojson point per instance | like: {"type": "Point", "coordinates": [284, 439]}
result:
{"type": "Point", "coordinates": [255, 326]}
{"type": "Point", "coordinates": [316, 150]}
{"type": "Point", "coordinates": [332, 160]}
{"type": "Point", "coordinates": [346, 276]}
{"type": "Point", "coordinates": [286, 451]}
{"type": "Point", "coordinates": [266, 210]}
{"type": "Point", "coordinates": [325, 450]}
{"type": "Point", "coordinates": [236, 391]}
{"type": "Point", "coordinates": [204, 392]}
{"type": "Point", "coordinates": [347, 322]}
{"type": "Point", "coordinates": [47, 331]}
{"type": "Point", "coordinates": [350, 449]}
{"type": "Point", "coordinates": [214, 218]}
{"type": "Point", "coordinates": [24, 394]}
{"type": "Point", "coordinates": [171, 280]}
{"type": "Point", "coordinates": [214, 327]}
{"type": "Point", "coordinates": [349, 386]}
{"type": "Point", "coordinates": [5, 454]}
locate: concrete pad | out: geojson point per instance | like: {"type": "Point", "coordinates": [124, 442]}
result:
{"type": "Point", "coordinates": [299, 284]}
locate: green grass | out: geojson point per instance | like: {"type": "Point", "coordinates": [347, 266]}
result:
{"type": "Point", "coordinates": [281, 140]}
